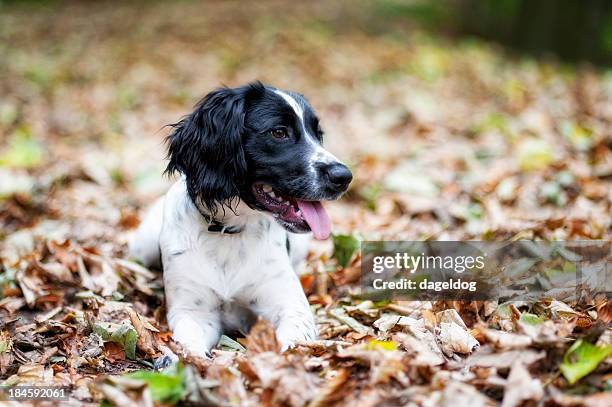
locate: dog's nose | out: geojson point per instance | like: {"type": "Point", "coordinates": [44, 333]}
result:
{"type": "Point", "coordinates": [338, 175]}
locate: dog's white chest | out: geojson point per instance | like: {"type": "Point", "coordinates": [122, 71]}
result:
{"type": "Point", "coordinates": [231, 264]}
{"type": "Point", "coordinates": [200, 261]}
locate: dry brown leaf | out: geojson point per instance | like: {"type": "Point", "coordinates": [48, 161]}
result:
{"type": "Point", "coordinates": [521, 388]}
{"type": "Point", "coordinates": [146, 341]}
{"type": "Point", "coordinates": [548, 331]}
{"type": "Point", "coordinates": [6, 355]}
{"type": "Point", "coordinates": [450, 316]}
{"type": "Point", "coordinates": [455, 339]}
{"type": "Point", "coordinates": [122, 391]}
{"type": "Point", "coordinates": [424, 353]}
{"type": "Point", "coordinates": [262, 338]}
{"type": "Point", "coordinates": [386, 322]}
{"type": "Point", "coordinates": [604, 311]}
{"type": "Point", "coordinates": [384, 364]}
{"type": "Point", "coordinates": [461, 394]}
{"type": "Point", "coordinates": [285, 382]}
{"type": "Point", "coordinates": [334, 391]}
{"type": "Point", "coordinates": [485, 357]}
{"type": "Point", "coordinates": [113, 352]}
{"type": "Point", "coordinates": [505, 340]}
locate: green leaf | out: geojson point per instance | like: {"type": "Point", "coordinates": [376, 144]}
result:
{"type": "Point", "coordinates": [381, 345]}
{"type": "Point", "coordinates": [167, 386]}
{"type": "Point", "coordinates": [582, 358]}
{"type": "Point", "coordinates": [569, 267]}
{"type": "Point", "coordinates": [473, 211]}
{"type": "Point", "coordinates": [123, 334]}
{"type": "Point", "coordinates": [57, 359]}
{"type": "Point", "coordinates": [504, 311]}
{"type": "Point", "coordinates": [8, 113]}
{"type": "Point", "coordinates": [567, 254]}
{"type": "Point", "coordinates": [531, 319]}
{"type": "Point", "coordinates": [494, 121]}
{"type": "Point", "coordinates": [344, 248]}
{"type": "Point", "coordinates": [568, 272]}
{"type": "Point", "coordinates": [370, 194]}
{"type": "Point", "coordinates": [565, 179]}
{"type": "Point", "coordinates": [103, 329]}
{"type": "Point", "coordinates": [227, 343]}
{"type": "Point", "coordinates": [24, 150]}
{"type": "Point", "coordinates": [580, 137]}
{"type": "Point", "coordinates": [126, 336]}
{"type": "Point", "coordinates": [551, 191]}
{"type": "Point", "coordinates": [382, 303]}
{"type": "Point", "coordinates": [534, 154]}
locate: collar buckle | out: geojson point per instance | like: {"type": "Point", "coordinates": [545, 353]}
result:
{"type": "Point", "coordinates": [214, 226]}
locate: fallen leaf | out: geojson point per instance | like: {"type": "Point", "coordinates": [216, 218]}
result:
{"type": "Point", "coordinates": [505, 340]}
{"type": "Point", "coordinates": [423, 353]}
{"type": "Point", "coordinates": [485, 357]}
{"type": "Point", "coordinates": [521, 388]}
{"type": "Point", "coordinates": [166, 386]}
{"type": "Point", "coordinates": [262, 338]}
{"type": "Point", "coordinates": [355, 325]}
{"type": "Point", "coordinates": [582, 358]}
{"type": "Point", "coordinates": [123, 334]}
{"type": "Point", "coordinates": [455, 339]}
{"type": "Point", "coordinates": [388, 321]}
{"type": "Point", "coordinates": [146, 341]}
{"type": "Point", "coordinates": [113, 352]}
{"type": "Point", "coordinates": [344, 248]}
{"type": "Point", "coordinates": [334, 391]}
{"type": "Point", "coordinates": [461, 394]}
{"type": "Point", "coordinates": [533, 154]}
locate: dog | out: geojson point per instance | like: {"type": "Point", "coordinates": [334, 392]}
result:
{"type": "Point", "coordinates": [230, 233]}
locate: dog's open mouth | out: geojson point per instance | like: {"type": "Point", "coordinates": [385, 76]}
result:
{"type": "Point", "coordinates": [297, 214]}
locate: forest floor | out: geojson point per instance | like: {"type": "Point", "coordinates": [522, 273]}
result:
{"type": "Point", "coordinates": [447, 140]}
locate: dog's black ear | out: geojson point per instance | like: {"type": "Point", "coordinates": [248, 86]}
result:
{"type": "Point", "coordinates": [206, 146]}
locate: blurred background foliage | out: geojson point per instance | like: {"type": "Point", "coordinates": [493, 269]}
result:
{"type": "Point", "coordinates": [455, 115]}
{"type": "Point", "coordinates": [575, 30]}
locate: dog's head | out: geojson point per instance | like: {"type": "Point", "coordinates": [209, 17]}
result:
{"type": "Point", "coordinates": [263, 146]}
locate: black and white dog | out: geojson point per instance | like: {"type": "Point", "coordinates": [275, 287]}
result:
{"type": "Point", "coordinates": [229, 233]}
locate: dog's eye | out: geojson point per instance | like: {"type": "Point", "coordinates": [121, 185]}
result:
{"type": "Point", "coordinates": [279, 134]}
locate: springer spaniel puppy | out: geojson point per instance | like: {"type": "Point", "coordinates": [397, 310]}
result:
{"type": "Point", "coordinates": [230, 233]}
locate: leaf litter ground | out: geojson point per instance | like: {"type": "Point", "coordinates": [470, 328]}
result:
{"type": "Point", "coordinates": [448, 139]}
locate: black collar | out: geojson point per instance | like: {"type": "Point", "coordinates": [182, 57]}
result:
{"type": "Point", "coordinates": [214, 226]}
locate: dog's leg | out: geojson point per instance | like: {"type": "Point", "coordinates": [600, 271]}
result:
{"type": "Point", "coordinates": [197, 335]}
{"type": "Point", "coordinates": [144, 243]}
{"type": "Point", "coordinates": [281, 301]}
{"type": "Point", "coordinates": [193, 307]}
{"type": "Point", "coordinates": [295, 325]}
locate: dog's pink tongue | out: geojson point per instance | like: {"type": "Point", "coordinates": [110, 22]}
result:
{"type": "Point", "coordinates": [316, 217]}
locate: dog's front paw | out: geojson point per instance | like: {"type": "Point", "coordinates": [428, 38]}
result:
{"type": "Point", "coordinates": [194, 338]}
{"type": "Point", "coordinates": [290, 333]}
